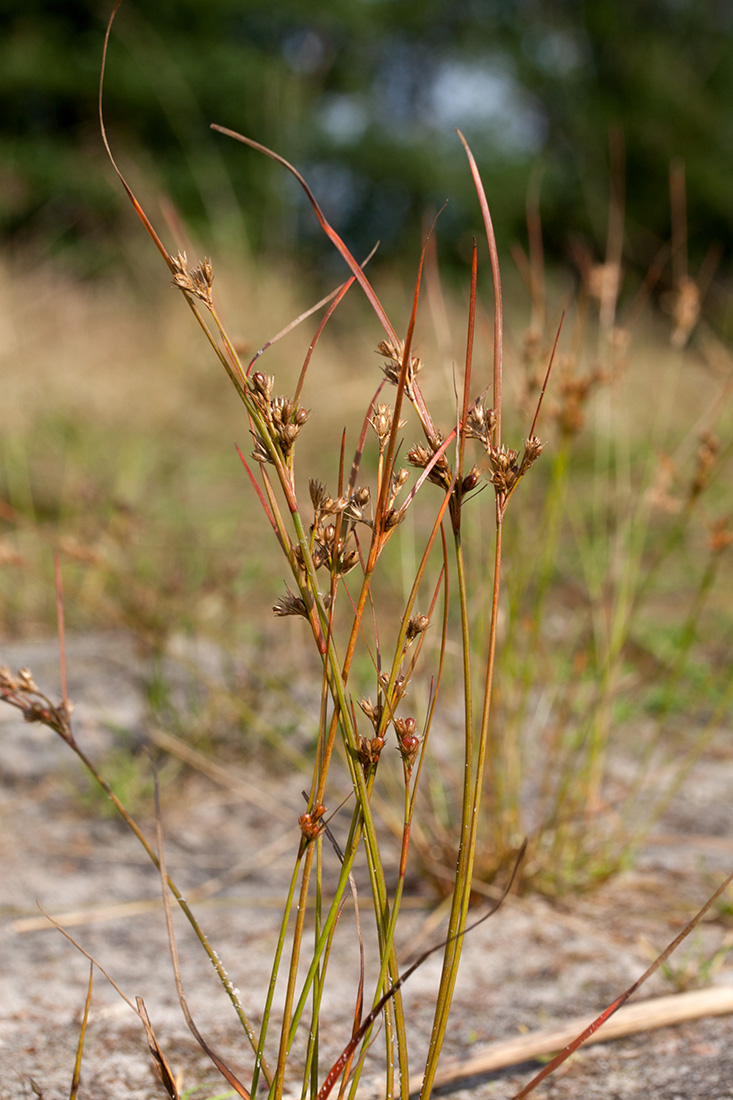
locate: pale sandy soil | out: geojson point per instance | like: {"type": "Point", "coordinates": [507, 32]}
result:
{"type": "Point", "coordinates": [531, 965]}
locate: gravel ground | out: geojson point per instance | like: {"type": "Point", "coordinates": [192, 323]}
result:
{"type": "Point", "coordinates": [533, 964]}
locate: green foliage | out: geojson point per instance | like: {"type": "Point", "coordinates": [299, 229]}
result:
{"type": "Point", "coordinates": [365, 96]}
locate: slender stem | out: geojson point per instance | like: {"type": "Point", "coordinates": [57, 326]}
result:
{"type": "Point", "coordinates": [200, 934]}
{"type": "Point", "coordinates": [287, 909]}
{"type": "Point", "coordinates": [276, 1090]}
{"type": "Point", "coordinates": [451, 953]}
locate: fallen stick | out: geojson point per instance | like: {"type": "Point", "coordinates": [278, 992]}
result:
{"type": "Point", "coordinates": [629, 1020]}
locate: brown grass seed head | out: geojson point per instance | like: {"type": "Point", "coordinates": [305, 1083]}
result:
{"type": "Point", "coordinates": [471, 480]}
{"type": "Point", "coordinates": [408, 741]}
{"type": "Point", "coordinates": [260, 452]}
{"type": "Point", "coordinates": [21, 691]}
{"type": "Point", "coordinates": [440, 474]}
{"type": "Point", "coordinates": [311, 823]}
{"type": "Point", "coordinates": [290, 604]}
{"type": "Point", "coordinates": [399, 477]}
{"type": "Point", "coordinates": [287, 419]}
{"type": "Point", "coordinates": [198, 281]}
{"type": "Point", "coordinates": [393, 353]}
{"type": "Point", "coordinates": [381, 421]}
{"type": "Point", "coordinates": [480, 424]}
{"type": "Point", "coordinates": [505, 471]}
{"type": "Point", "coordinates": [533, 448]}
{"type": "Point", "coordinates": [399, 689]}
{"type": "Point", "coordinates": [415, 626]}
{"type": "Point", "coordinates": [373, 711]}
{"type": "Point", "coordinates": [368, 751]}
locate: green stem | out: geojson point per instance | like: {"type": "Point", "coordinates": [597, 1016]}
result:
{"type": "Point", "coordinates": [259, 1059]}
{"type": "Point", "coordinates": [276, 1090]}
{"type": "Point", "coordinates": [198, 930]}
{"type": "Point", "coordinates": [462, 885]}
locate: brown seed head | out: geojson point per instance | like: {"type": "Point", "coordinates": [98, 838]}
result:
{"type": "Point", "coordinates": [260, 452]}
{"type": "Point", "coordinates": [416, 625]}
{"type": "Point", "coordinates": [393, 517]}
{"type": "Point", "coordinates": [471, 480]}
{"type": "Point", "coordinates": [8, 682]}
{"type": "Point", "coordinates": [420, 456]}
{"type": "Point", "coordinates": [399, 477]}
{"type": "Point", "coordinates": [393, 353]}
{"type": "Point", "coordinates": [372, 711]}
{"type": "Point", "coordinates": [355, 505]}
{"type": "Point", "coordinates": [317, 493]}
{"type": "Point", "coordinates": [21, 691]}
{"type": "Point", "coordinates": [399, 689]}
{"type": "Point", "coordinates": [287, 419]}
{"type": "Point", "coordinates": [262, 392]}
{"type": "Point", "coordinates": [408, 742]}
{"type": "Point", "coordinates": [504, 466]}
{"type": "Point", "coordinates": [381, 421]}
{"type": "Point", "coordinates": [197, 282]}
{"type": "Point", "coordinates": [532, 451]}
{"type": "Point", "coordinates": [27, 683]}
{"type": "Point", "coordinates": [348, 561]}
{"type": "Point", "coordinates": [311, 824]}
{"type": "Point", "coordinates": [282, 410]}
{"type": "Point", "coordinates": [263, 383]}
{"type": "Point", "coordinates": [369, 751]}
{"type": "Point", "coordinates": [202, 278]}
{"type": "Point", "coordinates": [480, 423]}
{"type": "Point", "coordinates": [290, 604]}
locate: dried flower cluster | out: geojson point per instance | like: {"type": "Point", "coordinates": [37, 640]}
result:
{"type": "Point", "coordinates": [283, 417]}
{"type": "Point", "coordinates": [21, 691]}
{"type": "Point", "coordinates": [381, 421]}
{"type": "Point", "coordinates": [408, 742]}
{"type": "Point", "coordinates": [421, 457]}
{"type": "Point", "coordinates": [394, 354]}
{"type": "Point", "coordinates": [369, 749]}
{"type": "Point", "coordinates": [311, 823]}
{"type": "Point", "coordinates": [198, 281]}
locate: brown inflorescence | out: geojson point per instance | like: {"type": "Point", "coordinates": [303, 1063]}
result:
{"type": "Point", "coordinates": [21, 691]}
{"type": "Point", "coordinates": [283, 416]}
{"type": "Point", "coordinates": [368, 752]}
{"type": "Point", "coordinates": [408, 741]}
{"type": "Point", "coordinates": [416, 625]}
{"type": "Point", "coordinates": [394, 353]}
{"type": "Point", "coordinates": [311, 822]}
{"type": "Point", "coordinates": [197, 281]}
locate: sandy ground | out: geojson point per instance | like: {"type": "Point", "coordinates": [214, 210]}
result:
{"type": "Point", "coordinates": [531, 965]}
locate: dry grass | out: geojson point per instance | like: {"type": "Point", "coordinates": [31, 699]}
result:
{"type": "Point", "coordinates": [118, 448]}
{"type": "Point", "coordinates": [124, 462]}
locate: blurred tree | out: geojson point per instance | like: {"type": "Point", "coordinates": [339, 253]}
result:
{"type": "Point", "coordinates": [364, 96]}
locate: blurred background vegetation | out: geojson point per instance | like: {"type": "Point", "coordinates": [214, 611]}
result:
{"type": "Point", "coordinates": [117, 429]}
{"type": "Point", "coordinates": [364, 97]}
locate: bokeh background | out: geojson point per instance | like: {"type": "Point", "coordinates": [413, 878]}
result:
{"type": "Point", "coordinates": [558, 100]}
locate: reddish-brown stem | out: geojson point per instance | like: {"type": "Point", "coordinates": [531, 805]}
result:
{"type": "Point", "coordinates": [615, 1005]}
{"type": "Point", "coordinates": [496, 279]}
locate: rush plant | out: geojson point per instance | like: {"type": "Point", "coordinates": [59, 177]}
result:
{"type": "Point", "coordinates": [380, 664]}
